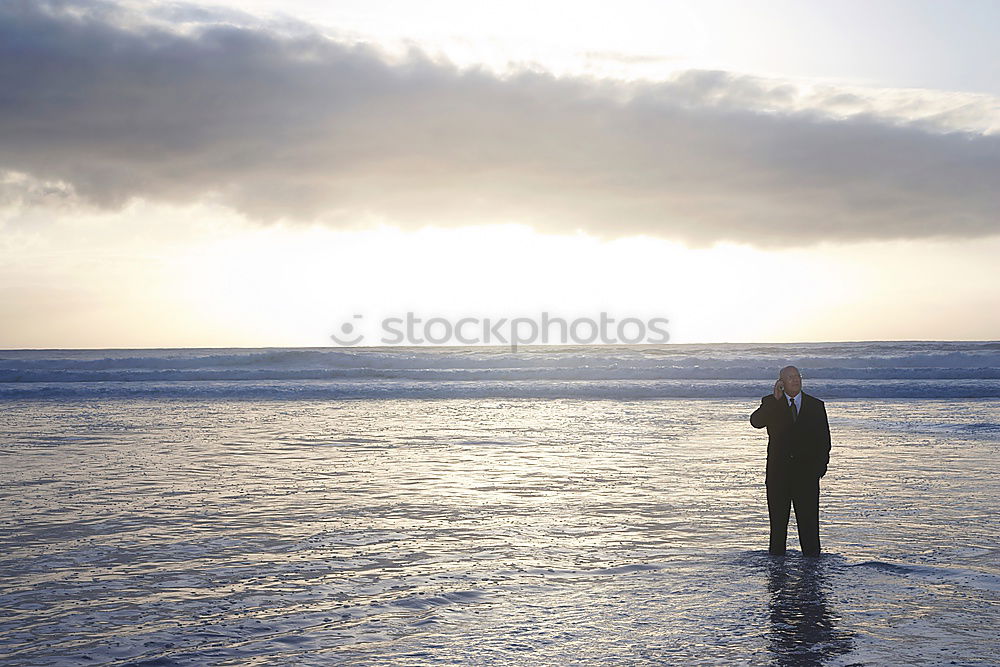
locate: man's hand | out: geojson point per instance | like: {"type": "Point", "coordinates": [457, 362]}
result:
{"type": "Point", "coordinates": [779, 389]}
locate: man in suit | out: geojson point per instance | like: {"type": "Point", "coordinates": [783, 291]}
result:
{"type": "Point", "coordinates": [798, 451]}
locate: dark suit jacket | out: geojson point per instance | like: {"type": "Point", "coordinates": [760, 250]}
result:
{"type": "Point", "coordinates": [795, 450]}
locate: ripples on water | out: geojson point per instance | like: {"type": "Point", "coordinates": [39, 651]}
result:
{"type": "Point", "coordinates": [487, 531]}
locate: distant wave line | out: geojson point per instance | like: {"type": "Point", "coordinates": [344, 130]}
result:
{"type": "Point", "coordinates": [579, 389]}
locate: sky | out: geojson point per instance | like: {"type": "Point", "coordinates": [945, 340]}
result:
{"type": "Point", "coordinates": [259, 173]}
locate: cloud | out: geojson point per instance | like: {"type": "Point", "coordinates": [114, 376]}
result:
{"type": "Point", "coordinates": [280, 122]}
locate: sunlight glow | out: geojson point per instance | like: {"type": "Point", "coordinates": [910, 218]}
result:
{"type": "Point", "coordinates": [296, 284]}
{"type": "Point", "coordinates": [204, 276]}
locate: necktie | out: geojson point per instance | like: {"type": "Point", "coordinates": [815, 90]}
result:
{"type": "Point", "coordinates": [791, 406]}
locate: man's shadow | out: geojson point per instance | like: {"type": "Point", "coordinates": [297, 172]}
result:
{"type": "Point", "coordinates": [803, 630]}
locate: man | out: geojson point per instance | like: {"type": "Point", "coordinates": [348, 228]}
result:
{"type": "Point", "coordinates": [798, 451]}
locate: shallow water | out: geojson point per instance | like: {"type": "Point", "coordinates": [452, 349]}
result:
{"type": "Point", "coordinates": [488, 531]}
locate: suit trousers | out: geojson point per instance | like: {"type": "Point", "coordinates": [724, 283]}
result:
{"type": "Point", "coordinates": [803, 494]}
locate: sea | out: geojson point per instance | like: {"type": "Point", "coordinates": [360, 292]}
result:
{"type": "Point", "coordinates": [579, 505]}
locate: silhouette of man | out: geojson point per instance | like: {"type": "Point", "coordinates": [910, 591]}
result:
{"type": "Point", "coordinates": [798, 451]}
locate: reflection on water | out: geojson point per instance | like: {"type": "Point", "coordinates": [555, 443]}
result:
{"type": "Point", "coordinates": [505, 532]}
{"type": "Point", "coordinates": [803, 630]}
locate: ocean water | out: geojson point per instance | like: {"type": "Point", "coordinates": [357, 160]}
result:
{"type": "Point", "coordinates": [475, 506]}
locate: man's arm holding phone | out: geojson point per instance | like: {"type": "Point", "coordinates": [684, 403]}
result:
{"type": "Point", "coordinates": [768, 410]}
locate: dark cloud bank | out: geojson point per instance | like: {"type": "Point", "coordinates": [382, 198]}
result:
{"type": "Point", "coordinates": [282, 125]}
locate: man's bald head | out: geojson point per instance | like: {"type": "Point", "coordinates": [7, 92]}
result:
{"type": "Point", "coordinates": [791, 379]}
